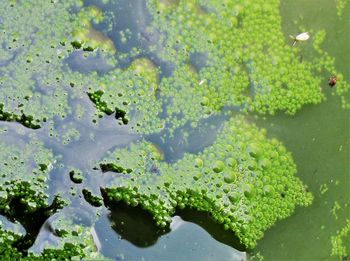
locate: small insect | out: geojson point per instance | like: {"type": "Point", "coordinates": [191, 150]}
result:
{"type": "Point", "coordinates": [332, 81]}
{"type": "Point", "coordinates": [300, 38]}
{"type": "Point", "coordinates": [202, 81]}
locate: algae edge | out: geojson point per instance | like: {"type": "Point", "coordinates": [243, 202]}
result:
{"type": "Point", "coordinates": [245, 181]}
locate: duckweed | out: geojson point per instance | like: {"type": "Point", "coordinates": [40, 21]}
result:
{"type": "Point", "coordinates": [340, 5]}
{"type": "Point", "coordinates": [24, 172]}
{"type": "Point", "coordinates": [92, 199]}
{"type": "Point", "coordinates": [245, 65]}
{"type": "Point", "coordinates": [244, 200]}
{"type": "Point", "coordinates": [76, 176]}
{"type": "Point", "coordinates": [339, 245]}
{"type": "Point", "coordinates": [35, 74]}
{"type": "Point", "coordinates": [76, 242]}
{"type": "Point", "coordinates": [252, 72]}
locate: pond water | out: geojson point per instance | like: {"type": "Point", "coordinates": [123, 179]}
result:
{"type": "Point", "coordinates": [318, 137]}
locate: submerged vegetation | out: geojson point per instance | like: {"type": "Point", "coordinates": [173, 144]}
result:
{"type": "Point", "coordinates": [226, 57]}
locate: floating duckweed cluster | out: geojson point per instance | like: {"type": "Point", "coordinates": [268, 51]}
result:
{"type": "Point", "coordinates": [229, 54]}
{"type": "Point", "coordinates": [86, 37]}
{"type": "Point", "coordinates": [340, 5]}
{"type": "Point", "coordinates": [340, 242]}
{"type": "Point", "coordinates": [7, 239]}
{"type": "Point", "coordinates": [247, 61]}
{"type": "Point", "coordinates": [130, 93]}
{"type": "Point", "coordinates": [235, 57]}
{"type": "Point", "coordinates": [76, 176]}
{"type": "Point", "coordinates": [24, 172]}
{"type": "Point", "coordinates": [244, 180]}
{"type": "Point", "coordinates": [76, 237]}
{"type": "Point", "coordinates": [68, 248]}
{"type": "Point", "coordinates": [93, 200]}
{"type": "Point", "coordinates": [23, 119]}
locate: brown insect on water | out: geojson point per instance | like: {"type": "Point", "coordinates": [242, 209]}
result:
{"type": "Point", "coordinates": [332, 81]}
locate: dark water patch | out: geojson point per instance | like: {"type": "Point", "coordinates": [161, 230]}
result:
{"type": "Point", "coordinates": [129, 19]}
{"type": "Point", "coordinates": [187, 241]}
{"type": "Point", "coordinates": [32, 221]}
{"type": "Point", "coordinates": [188, 139]}
{"type": "Point", "coordinates": [199, 60]}
{"type": "Point", "coordinates": [130, 30]}
{"type": "Point", "coordinates": [211, 226]}
{"type": "Point", "coordinates": [134, 224]}
{"type": "Point", "coordinates": [79, 61]}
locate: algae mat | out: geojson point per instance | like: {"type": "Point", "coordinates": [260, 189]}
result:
{"type": "Point", "coordinates": [158, 106]}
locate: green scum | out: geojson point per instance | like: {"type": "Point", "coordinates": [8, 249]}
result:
{"type": "Point", "coordinates": [225, 55]}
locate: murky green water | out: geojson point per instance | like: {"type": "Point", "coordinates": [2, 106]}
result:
{"type": "Point", "coordinates": [318, 137]}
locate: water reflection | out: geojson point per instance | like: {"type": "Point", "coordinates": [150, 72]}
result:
{"type": "Point", "coordinates": [135, 225]}
{"type": "Point", "coordinates": [129, 233]}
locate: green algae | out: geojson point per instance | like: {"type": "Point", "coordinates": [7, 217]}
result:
{"type": "Point", "coordinates": [24, 173]}
{"type": "Point", "coordinates": [248, 65]}
{"type": "Point", "coordinates": [93, 200]}
{"type": "Point", "coordinates": [68, 249]}
{"type": "Point", "coordinates": [340, 5]}
{"type": "Point", "coordinates": [340, 242]}
{"type": "Point", "coordinates": [88, 38]}
{"type": "Point", "coordinates": [251, 202]}
{"type": "Point", "coordinates": [247, 184]}
{"type": "Point", "coordinates": [129, 93]}
{"type": "Point", "coordinates": [78, 237]}
{"type": "Point", "coordinates": [34, 77]}
{"type": "Point", "coordinates": [76, 176]}
{"type": "Point", "coordinates": [240, 53]}
{"type": "Point", "coordinates": [257, 71]}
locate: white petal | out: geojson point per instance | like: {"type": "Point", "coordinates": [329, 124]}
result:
{"type": "Point", "coordinates": [202, 81]}
{"type": "Point", "coordinates": [302, 37]}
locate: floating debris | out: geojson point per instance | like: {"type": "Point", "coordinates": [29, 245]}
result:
{"type": "Point", "coordinates": [332, 81]}
{"type": "Point", "coordinates": [300, 38]}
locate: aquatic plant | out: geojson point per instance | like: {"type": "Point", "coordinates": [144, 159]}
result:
{"type": "Point", "coordinates": [245, 181]}
{"type": "Point", "coordinates": [24, 172]}
{"type": "Point", "coordinates": [339, 245]}
{"type": "Point", "coordinates": [224, 55]}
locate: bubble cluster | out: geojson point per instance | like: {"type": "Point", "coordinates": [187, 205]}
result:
{"type": "Point", "coordinates": [245, 181]}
